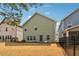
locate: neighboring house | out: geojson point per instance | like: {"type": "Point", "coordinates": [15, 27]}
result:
{"type": "Point", "coordinates": [39, 28]}
{"type": "Point", "coordinates": [20, 33]}
{"type": "Point", "coordinates": [8, 32]}
{"type": "Point", "coordinates": [69, 26]}
{"type": "Point", "coordinates": [61, 29]}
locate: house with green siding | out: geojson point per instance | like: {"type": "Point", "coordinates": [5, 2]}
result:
{"type": "Point", "coordinates": [39, 28]}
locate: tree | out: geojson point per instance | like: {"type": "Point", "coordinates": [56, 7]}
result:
{"type": "Point", "coordinates": [15, 10]}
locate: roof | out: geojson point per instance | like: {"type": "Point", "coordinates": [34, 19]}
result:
{"type": "Point", "coordinates": [71, 13]}
{"type": "Point", "coordinates": [40, 15]}
{"type": "Point", "coordinates": [9, 20]}
{"type": "Point", "coordinates": [68, 16]}
{"type": "Point", "coordinates": [71, 28]}
{"type": "Point", "coordinates": [5, 19]}
{"type": "Point", "coordinates": [20, 26]}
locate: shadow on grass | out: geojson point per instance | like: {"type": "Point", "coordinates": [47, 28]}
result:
{"type": "Point", "coordinates": [26, 44]}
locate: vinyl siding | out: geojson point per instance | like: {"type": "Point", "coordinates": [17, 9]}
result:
{"type": "Point", "coordinates": [74, 19]}
{"type": "Point", "coordinates": [44, 27]}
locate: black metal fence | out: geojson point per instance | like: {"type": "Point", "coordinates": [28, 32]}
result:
{"type": "Point", "coordinates": [70, 45]}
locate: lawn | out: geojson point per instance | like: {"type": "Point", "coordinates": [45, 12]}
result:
{"type": "Point", "coordinates": [31, 49]}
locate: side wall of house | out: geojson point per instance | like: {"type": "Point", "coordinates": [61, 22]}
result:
{"type": "Point", "coordinates": [73, 20]}
{"type": "Point", "coordinates": [20, 33]}
{"type": "Point", "coordinates": [7, 32]}
{"type": "Point", "coordinates": [61, 29]}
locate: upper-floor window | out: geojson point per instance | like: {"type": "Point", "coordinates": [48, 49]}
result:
{"type": "Point", "coordinates": [69, 24]}
{"type": "Point", "coordinates": [25, 30]}
{"type": "Point", "coordinates": [6, 29]}
{"type": "Point", "coordinates": [35, 28]}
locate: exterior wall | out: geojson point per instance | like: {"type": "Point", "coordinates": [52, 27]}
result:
{"type": "Point", "coordinates": [72, 20]}
{"type": "Point", "coordinates": [11, 31]}
{"type": "Point", "coordinates": [61, 29]}
{"type": "Point", "coordinates": [44, 27]}
{"type": "Point", "coordinates": [8, 32]}
{"type": "Point", "coordinates": [20, 33]}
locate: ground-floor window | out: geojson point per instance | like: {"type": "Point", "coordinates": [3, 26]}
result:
{"type": "Point", "coordinates": [27, 37]}
{"type": "Point", "coordinates": [0, 37]}
{"type": "Point", "coordinates": [30, 37]}
{"type": "Point", "coordinates": [6, 37]}
{"type": "Point", "coordinates": [10, 37]}
{"type": "Point", "coordinates": [3, 38]}
{"type": "Point", "coordinates": [34, 38]}
{"type": "Point", "coordinates": [41, 37]}
{"type": "Point", "coordinates": [48, 37]}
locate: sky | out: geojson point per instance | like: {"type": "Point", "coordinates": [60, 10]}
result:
{"type": "Point", "coordinates": [55, 11]}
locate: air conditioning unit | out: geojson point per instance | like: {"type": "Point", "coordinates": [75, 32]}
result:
{"type": "Point", "coordinates": [45, 41]}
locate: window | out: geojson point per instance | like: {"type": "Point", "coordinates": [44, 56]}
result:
{"type": "Point", "coordinates": [35, 28]}
{"type": "Point", "coordinates": [69, 24]}
{"type": "Point", "coordinates": [41, 38]}
{"type": "Point", "coordinates": [25, 30]}
{"type": "Point", "coordinates": [6, 29]}
{"type": "Point", "coordinates": [3, 38]}
{"type": "Point", "coordinates": [34, 38]}
{"type": "Point", "coordinates": [30, 37]}
{"type": "Point", "coordinates": [0, 37]}
{"type": "Point", "coordinates": [27, 37]}
{"type": "Point", "coordinates": [8, 36]}
{"type": "Point", "coordinates": [48, 37]}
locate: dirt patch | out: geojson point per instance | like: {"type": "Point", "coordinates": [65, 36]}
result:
{"type": "Point", "coordinates": [31, 49]}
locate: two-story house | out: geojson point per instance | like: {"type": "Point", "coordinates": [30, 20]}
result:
{"type": "Point", "coordinates": [69, 26]}
{"type": "Point", "coordinates": [8, 32]}
{"type": "Point", "coordinates": [39, 28]}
